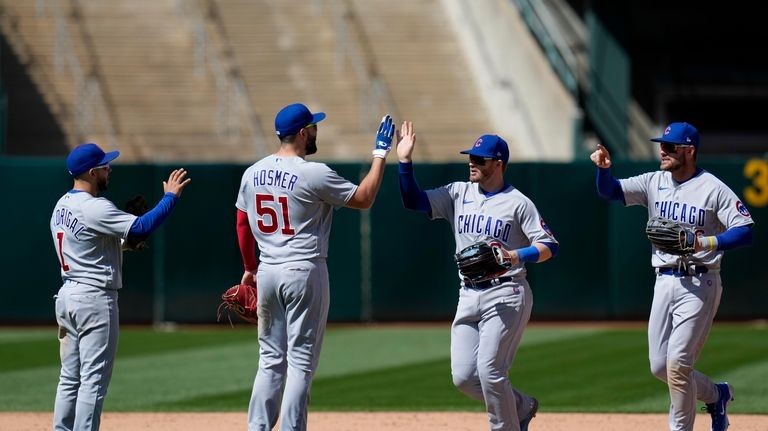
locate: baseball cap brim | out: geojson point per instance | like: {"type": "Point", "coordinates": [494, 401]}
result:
{"type": "Point", "coordinates": [108, 157]}
{"type": "Point", "coordinates": [318, 117]}
{"type": "Point", "coordinates": [670, 141]}
{"type": "Point", "coordinates": [477, 152]}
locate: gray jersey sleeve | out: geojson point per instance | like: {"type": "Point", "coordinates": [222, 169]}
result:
{"type": "Point", "coordinates": [532, 225]}
{"type": "Point", "coordinates": [442, 200]}
{"type": "Point", "coordinates": [242, 200]}
{"type": "Point", "coordinates": [636, 189]}
{"type": "Point", "coordinates": [328, 185]}
{"type": "Point", "coordinates": [731, 211]}
{"type": "Point", "coordinates": [105, 218]}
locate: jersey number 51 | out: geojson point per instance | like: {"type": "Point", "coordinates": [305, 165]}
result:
{"type": "Point", "coordinates": [269, 219]}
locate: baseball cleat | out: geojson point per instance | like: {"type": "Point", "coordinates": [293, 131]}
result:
{"type": "Point", "coordinates": [718, 409]}
{"type": "Point", "coordinates": [535, 408]}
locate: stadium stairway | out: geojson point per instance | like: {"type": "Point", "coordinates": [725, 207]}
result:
{"type": "Point", "coordinates": [159, 101]}
{"type": "Point", "coordinates": [427, 74]}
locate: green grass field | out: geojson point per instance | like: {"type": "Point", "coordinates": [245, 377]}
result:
{"type": "Point", "coordinates": [569, 368]}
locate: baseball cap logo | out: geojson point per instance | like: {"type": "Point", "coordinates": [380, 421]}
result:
{"type": "Point", "coordinates": [667, 130]}
{"type": "Point", "coordinates": [478, 142]}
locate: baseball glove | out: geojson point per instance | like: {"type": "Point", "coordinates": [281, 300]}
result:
{"type": "Point", "coordinates": [240, 299]}
{"type": "Point", "coordinates": [137, 206]}
{"type": "Point", "coordinates": [480, 261]}
{"type": "Point", "coordinates": [670, 237]}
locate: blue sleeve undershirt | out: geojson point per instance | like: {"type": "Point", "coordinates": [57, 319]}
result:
{"type": "Point", "coordinates": [553, 247]}
{"type": "Point", "coordinates": [608, 187]}
{"type": "Point", "coordinates": [414, 198]}
{"type": "Point", "coordinates": [735, 237]}
{"type": "Point", "coordinates": [532, 254]}
{"type": "Point", "coordinates": [528, 254]}
{"type": "Point", "coordinates": [152, 219]}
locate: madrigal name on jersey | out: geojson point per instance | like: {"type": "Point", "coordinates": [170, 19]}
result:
{"type": "Point", "coordinates": [484, 224]}
{"type": "Point", "coordinates": [62, 218]}
{"type": "Point", "coordinates": [680, 212]}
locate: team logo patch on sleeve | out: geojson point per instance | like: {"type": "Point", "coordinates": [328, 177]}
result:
{"type": "Point", "coordinates": [546, 228]}
{"type": "Point", "coordinates": [742, 209]}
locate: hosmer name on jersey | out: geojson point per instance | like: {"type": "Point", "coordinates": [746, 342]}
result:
{"type": "Point", "coordinates": [63, 218]}
{"type": "Point", "coordinates": [680, 212]}
{"type": "Point", "coordinates": [483, 224]}
{"type": "Point", "coordinates": [275, 177]}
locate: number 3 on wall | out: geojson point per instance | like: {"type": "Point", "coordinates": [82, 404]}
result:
{"type": "Point", "coordinates": [756, 194]}
{"type": "Point", "coordinates": [269, 220]}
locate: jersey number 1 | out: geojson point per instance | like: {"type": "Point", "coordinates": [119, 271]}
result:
{"type": "Point", "coordinates": [265, 207]}
{"type": "Point", "coordinates": [60, 238]}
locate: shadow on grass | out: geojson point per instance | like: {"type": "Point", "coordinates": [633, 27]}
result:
{"type": "Point", "coordinates": [20, 355]}
{"type": "Point", "coordinates": [605, 372]}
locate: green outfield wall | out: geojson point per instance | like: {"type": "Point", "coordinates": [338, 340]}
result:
{"type": "Point", "coordinates": [385, 264]}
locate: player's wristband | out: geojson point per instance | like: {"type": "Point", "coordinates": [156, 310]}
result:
{"type": "Point", "coordinates": [380, 153]}
{"type": "Point", "coordinates": [528, 254]}
{"type": "Point", "coordinates": [707, 243]}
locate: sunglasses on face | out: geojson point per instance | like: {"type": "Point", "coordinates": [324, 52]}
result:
{"type": "Point", "coordinates": [479, 161]}
{"type": "Point", "coordinates": [107, 167]}
{"type": "Point", "coordinates": [670, 148]}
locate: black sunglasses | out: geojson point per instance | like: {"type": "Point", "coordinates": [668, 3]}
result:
{"type": "Point", "coordinates": [670, 148]}
{"type": "Point", "coordinates": [479, 161]}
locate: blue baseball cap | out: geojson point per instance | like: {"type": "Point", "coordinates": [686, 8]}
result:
{"type": "Point", "coordinates": [87, 156]}
{"type": "Point", "coordinates": [490, 146]}
{"type": "Point", "coordinates": [679, 134]}
{"type": "Point", "coordinates": [295, 117]}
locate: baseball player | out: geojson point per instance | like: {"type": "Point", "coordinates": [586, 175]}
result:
{"type": "Point", "coordinates": [491, 314]}
{"type": "Point", "coordinates": [89, 234]}
{"type": "Point", "coordinates": [687, 291]}
{"type": "Point", "coordinates": [285, 204]}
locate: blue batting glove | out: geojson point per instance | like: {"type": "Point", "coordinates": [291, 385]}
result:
{"type": "Point", "coordinates": [384, 137]}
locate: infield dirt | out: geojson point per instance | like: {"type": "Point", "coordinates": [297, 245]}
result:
{"type": "Point", "coordinates": [380, 421]}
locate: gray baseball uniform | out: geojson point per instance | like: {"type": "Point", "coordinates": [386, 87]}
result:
{"type": "Point", "coordinates": [87, 233]}
{"type": "Point", "coordinates": [684, 307]}
{"type": "Point", "coordinates": [490, 319]}
{"type": "Point", "coordinates": [290, 203]}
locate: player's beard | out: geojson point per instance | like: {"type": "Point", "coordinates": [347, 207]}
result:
{"type": "Point", "coordinates": [477, 175]}
{"type": "Point", "coordinates": [103, 184]}
{"type": "Point", "coordinates": [672, 164]}
{"type": "Point", "coordinates": [311, 145]}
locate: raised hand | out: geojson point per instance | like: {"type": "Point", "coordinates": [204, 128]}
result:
{"type": "Point", "coordinates": [406, 140]}
{"type": "Point", "coordinates": [601, 157]}
{"type": "Point", "coordinates": [176, 182]}
{"type": "Point", "coordinates": [384, 137]}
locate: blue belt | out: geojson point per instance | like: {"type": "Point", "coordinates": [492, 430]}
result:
{"type": "Point", "coordinates": [485, 284]}
{"type": "Point", "coordinates": [673, 270]}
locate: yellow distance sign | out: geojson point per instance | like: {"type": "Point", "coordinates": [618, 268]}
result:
{"type": "Point", "coordinates": [756, 194]}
